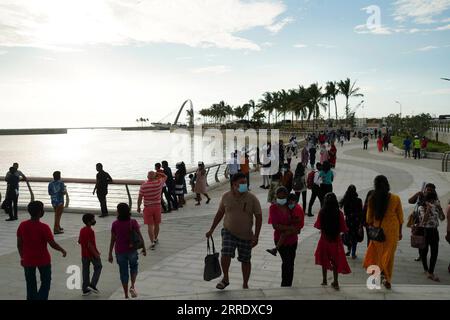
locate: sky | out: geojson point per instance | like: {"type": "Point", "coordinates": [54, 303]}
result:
{"type": "Point", "coordinates": [76, 63]}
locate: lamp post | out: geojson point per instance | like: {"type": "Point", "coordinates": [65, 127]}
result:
{"type": "Point", "coordinates": [401, 107]}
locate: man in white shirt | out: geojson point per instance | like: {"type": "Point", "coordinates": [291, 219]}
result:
{"type": "Point", "coordinates": [315, 191]}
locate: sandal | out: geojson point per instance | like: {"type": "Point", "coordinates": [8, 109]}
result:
{"type": "Point", "coordinates": [133, 293]}
{"type": "Point", "coordinates": [434, 278]}
{"type": "Point", "coordinates": [222, 285]}
{"type": "Point", "coordinates": [335, 285]}
{"type": "Point", "coordinates": [324, 284]}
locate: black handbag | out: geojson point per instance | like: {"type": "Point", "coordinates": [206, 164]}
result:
{"type": "Point", "coordinates": [212, 265]}
{"type": "Point", "coordinates": [418, 239]}
{"type": "Point", "coordinates": [136, 242]}
{"type": "Point", "coordinates": [376, 233]}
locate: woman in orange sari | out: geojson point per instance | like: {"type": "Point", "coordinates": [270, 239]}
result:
{"type": "Point", "coordinates": [385, 211]}
{"type": "Point", "coordinates": [380, 144]}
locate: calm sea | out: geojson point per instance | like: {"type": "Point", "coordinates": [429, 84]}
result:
{"type": "Point", "coordinates": [124, 154]}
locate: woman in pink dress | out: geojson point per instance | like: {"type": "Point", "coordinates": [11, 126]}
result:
{"type": "Point", "coordinates": [330, 253]}
{"type": "Point", "coordinates": [323, 153]}
{"type": "Point", "coordinates": [200, 184]}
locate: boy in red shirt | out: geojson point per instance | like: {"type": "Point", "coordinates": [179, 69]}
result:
{"type": "Point", "coordinates": [89, 254]}
{"type": "Point", "coordinates": [32, 239]}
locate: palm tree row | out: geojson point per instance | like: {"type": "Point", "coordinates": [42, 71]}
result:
{"type": "Point", "coordinates": [302, 102]}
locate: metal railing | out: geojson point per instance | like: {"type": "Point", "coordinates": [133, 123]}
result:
{"type": "Point", "coordinates": [80, 197]}
{"type": "Point", "coordinates": [445, 160]}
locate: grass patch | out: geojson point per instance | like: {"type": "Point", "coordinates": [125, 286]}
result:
{"type": "Point", "coordinates": [433, 146]}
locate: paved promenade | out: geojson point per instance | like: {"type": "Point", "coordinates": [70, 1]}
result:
{"type": "Point", "coordinates": [175, 269]}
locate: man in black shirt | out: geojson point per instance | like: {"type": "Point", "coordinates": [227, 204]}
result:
{"type": "Point", "coordinates": [101, 186]}
{"type": "Point", "coordinates": [170, 183]}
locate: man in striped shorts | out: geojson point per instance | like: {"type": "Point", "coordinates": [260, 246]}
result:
{"type": "Point", "coordinates": [150, 191]}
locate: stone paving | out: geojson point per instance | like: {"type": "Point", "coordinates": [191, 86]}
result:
{"type": "Point", "coordinates": [175, 269]}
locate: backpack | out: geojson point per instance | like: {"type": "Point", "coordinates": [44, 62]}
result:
{"type": "Point", "coordinates": [310, 180]}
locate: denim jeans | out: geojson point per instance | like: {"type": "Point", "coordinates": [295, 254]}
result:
{"type": "Point", "coordinates": [97, 263]}
{"type": "Point", "coordinates": [127, 261]}
{"type": "Point", "coordinates": [30, 278]}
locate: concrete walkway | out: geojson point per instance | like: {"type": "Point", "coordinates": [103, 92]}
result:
{"type": "Point", "coordinates": [175, 269]}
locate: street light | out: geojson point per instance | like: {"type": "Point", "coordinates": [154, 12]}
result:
{"type": "Point", "coordinates": [400, 108]}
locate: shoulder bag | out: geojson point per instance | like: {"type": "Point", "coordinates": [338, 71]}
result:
{"type": "Point", "coordinates": [376, 233]}
{"type": "Point", "coordinates": [135, 240]}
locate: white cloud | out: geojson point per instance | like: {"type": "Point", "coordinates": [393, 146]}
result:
{"type": "Point", "coordinates": [212, 69]}
{"type": "Point", "coordinates": [442, 28]}
{"type": "Point", "coordinates": [2, 52]}
{"type": "Point", "coordinates": [420, 11]}
{"type": "Point", "coordinates": [277, 27]}
{"type": "Point", "coordinates": [300, 46]}
{"type": "Point", "coordinates": [183, 58]}
{"type": "Point", "coordinates": [380, 30]}
{"type": "Point", "coordinates": [267, 44]}
{"type": "Point", "coordinates": [197, 23]}
{"type": "Point", "coordinates": [427, 48]}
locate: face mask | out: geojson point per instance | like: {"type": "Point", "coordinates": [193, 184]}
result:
{"type": "Point", "coordinates": [292, 206]}
{"type": "Point", "coordinates": [281, 202]}
{"type": "Point", "coordinates": [243, 188]}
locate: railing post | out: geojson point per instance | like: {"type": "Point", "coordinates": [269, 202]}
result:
{"type": "Point", "coordinates": [217, 173]}
{"type": "Point", "coordinates": [130, 201]}
{"type": "Point", "coordinates": [30, 190]}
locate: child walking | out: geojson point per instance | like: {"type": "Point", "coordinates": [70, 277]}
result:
{"type": "Point", "coordinates": [89, 254]}
{"type": "Point", "coordinates": [330, 252]}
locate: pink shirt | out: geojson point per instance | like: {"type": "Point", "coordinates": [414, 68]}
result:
{"type": "Point", "coordinates": [121, 230]}
{"type": "Point", "coordinates": [151, 192]}
{"type": "Point", "coordinates": [277, 216]}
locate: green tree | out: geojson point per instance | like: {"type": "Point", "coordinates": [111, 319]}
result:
{"type": "Point", "coordinates": [349, 90]}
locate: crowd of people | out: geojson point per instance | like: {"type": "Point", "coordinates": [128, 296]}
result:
{"type": "Point", "coordinates": [343, 223]}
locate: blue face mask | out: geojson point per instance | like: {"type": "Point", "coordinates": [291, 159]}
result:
{"type": "Point", "coordinates": [292, 206]}
{"type": "Point", "coordinates": [281, 202]}
{"type": "Point", "coordinates": [243, 188]}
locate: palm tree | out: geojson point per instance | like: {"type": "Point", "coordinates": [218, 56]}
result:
{"type": "Point", "coordinates": [267, 104]}
{"type": "Point", "coordinates": [349, 91]}
{"type": "Point", "coordinates": [240, 112]}
{"type": "Point", "coordinates": [315, 102]}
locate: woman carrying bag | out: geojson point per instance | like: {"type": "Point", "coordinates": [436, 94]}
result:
{"type": "Point", "coordinates": [429, 215]}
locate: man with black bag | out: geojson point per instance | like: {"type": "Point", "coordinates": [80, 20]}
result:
{"type": "Point", "coordinates": [239, 209]}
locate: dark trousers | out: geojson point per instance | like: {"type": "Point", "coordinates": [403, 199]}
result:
{"type": "Point", "coordinates": [248, 179]}
{"type": "Point", "coordinates": [416, 153]}
{"type": "Point", "coordinates": [97, 263]}
{"type": "Point", "coordinates": [46, 278]}
{"type": "Point", "coordinates": [12, 201]}
{"type": "Point", "coordinates": [407, 153]}
{"type": "Point", "coordinates": [366, 144]}
{"type": "Point", "coordinates": [432, 241]}
{"type": "Point", "coordinates": [303, 198]}
{"type": "Point", "coordinates": [103, 206]}
{"type": "Point", "coordinates": [287, 254]}
{"type": "Point", "coordinates": [324, 189]}
{"type": "Point", "coordinates": [170, 198]}
{"type": "Point", "coordinates": [314, 194]}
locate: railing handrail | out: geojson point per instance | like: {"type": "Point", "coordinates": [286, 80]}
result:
{"type": "Point", "coordinates": [131, 182]}
{"type": "Point", "coordinates": [445, 159]}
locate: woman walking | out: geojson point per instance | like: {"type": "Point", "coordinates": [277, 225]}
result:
{"type": "Point", "coordinates": [299, 184]}
{"type": "Point", "coordinates": [384, 211]}
{"type": "Point", "coordinates": [380, 144]}
{"type": "Point", "coordinates": [353, 211]}
{"type": "Point", "coordinates": [323, 153]}
{"type": "Point", "coordinates": [287, 219]}
{"type": "Point", "coordinates": [326, 176]}
{"type": "Point", "coordinates": [126, 254]}
{"type": "Point", "coordinates": [180, 183]}
{"type": "Point", "coordinates": [200, 184]}
{"type": "Point", "coordinates": [330, 252]}
{"type": "Point", "coordinates": [332, 155]}
{"type": "Point", "coordinates": [57, 190]}
{"type": "Point", "coordinates": [429, 215]}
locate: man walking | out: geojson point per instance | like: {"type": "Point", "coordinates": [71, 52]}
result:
{"type": "Point", "coordinates": [150, 192]}
{"type": "Point", "coordinates": [233, 166]}
{"type": "Point", "coordinates": [32, 239]}
{"type": "Point", "coordinates": [170, 185]}
{"type": "Point", "coordinates": [313, 183]}
{"type": "Point", "coordinates": [12, 193]}
{"type": "Point", "coordinates": [101, 187]}
{"type": "Point", "coordinates": [239, 209]}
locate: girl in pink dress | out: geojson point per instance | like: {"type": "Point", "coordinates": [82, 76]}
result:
{"type": "Point", "coordinates": [330, 253]}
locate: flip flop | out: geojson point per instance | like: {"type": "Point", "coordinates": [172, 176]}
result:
{"type": "Point", "coordinates": [434, 278]}
{"type": "Point", "coordinates": [335, 286]}
{"type": "Point", "coordinates": [222, 285]}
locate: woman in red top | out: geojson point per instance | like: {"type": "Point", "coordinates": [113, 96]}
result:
{"type": "Point", "coordinates": [330, 252]}
{"type": "Point", "coordinates": [287, 219]}
{"type": "Point", "coordinates": [380, 144]}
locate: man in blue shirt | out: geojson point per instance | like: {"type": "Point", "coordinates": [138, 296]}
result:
{"type": "Point", "coordinates": [57, 190]}
{"type": "Point", "coordinates": [407, 145]}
